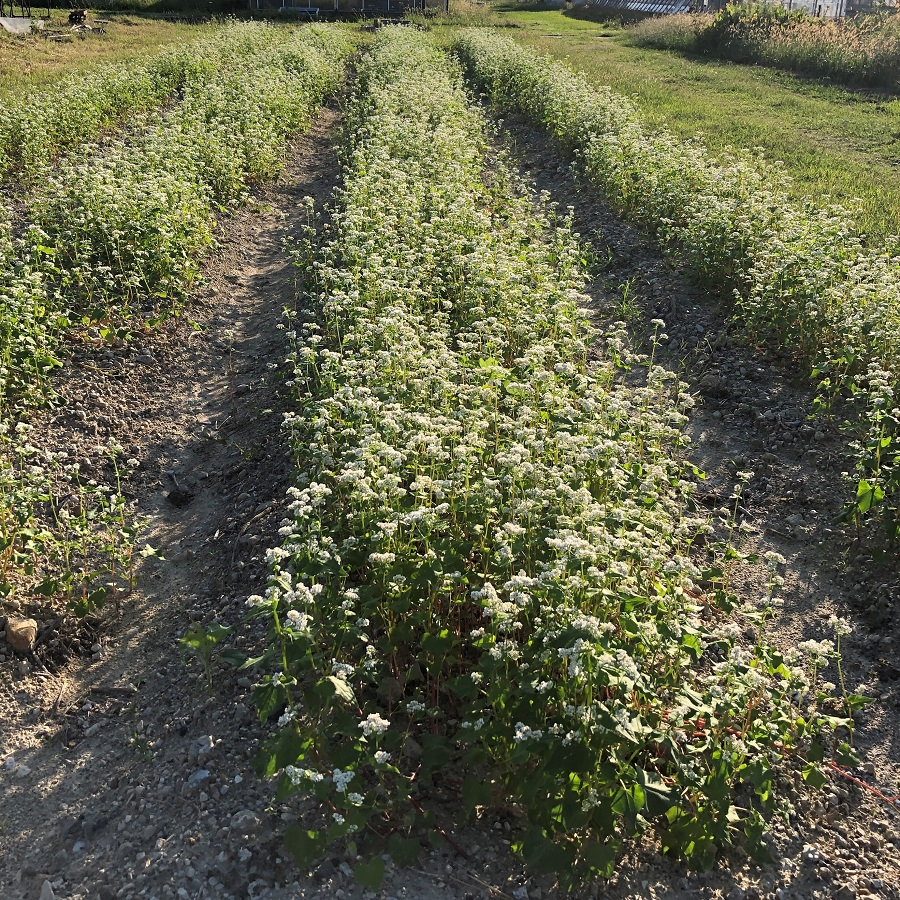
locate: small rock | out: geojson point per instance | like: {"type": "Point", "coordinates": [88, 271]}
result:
{"type": "Point", "coordinates": [21, 634]}
{"type": "Point", "coordinates": [326, 870]}
{"type": "Point", "coordinates": [712, 385]}
{"type": "Point", "coordinates": [69, 827]}
{"type": "Point", "coordinates": [845, 892]}
{"type": "Point", "coordinates": [94, 824]}
{"type": "Point", "coordinates": [47, 891]}
{"type": "Point", "coordinates": [245, 821]}
{"type": "Point", "coordinates": [145, 359]}
{"type": "Point", "coordinates": [198, 778]}
{"type": "Point", "coordinates": [810, 854]}
{"type": "Point", "coordinates": [868, 768]}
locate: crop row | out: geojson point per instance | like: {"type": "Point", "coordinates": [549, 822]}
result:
{"type": "Point", "coordinates": [37, 125]}
{"type": "Point", "coordinates": [118, 230]}
{"type": "Point", "coordinates": [115, 235]}
{"type": "Point", "coordinates": [490, 567]}
{"type": "Point", "coordinates": [798, 274]}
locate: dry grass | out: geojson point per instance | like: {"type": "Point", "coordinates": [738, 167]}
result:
{"type": "Point", "coordinates": [861, 51]}
{"type": "Point", "coordinates": [36, 60]}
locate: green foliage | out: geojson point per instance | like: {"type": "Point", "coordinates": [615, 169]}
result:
{"type": "Point", "coordinates": [37, 125]}
{"type": "Point", "coordinates": [204, 642]}
{"type": "Point", "coordinates": [114, 236]}
{"type": "Point", "coordinates": [63, 538]}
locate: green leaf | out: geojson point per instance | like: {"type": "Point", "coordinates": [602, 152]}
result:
{"type": "Point", "coordinates": [601, 857]}
{"type": "Point", "coordinates": [436, 753]}
{"type": "Point", "coordinates": [857, 701]}
{"type": "Point", "coordinates": [438, 644]}
{"type": "Point", "coordinates": [846, 756]}
{"type": "Point", "coordinates": [333, 688]}
{"type": "Point", "coordinates": [216, 632]}
{"type": "Point", "coordinates": [47, 588]}
{"type": "Point", "coordinates": [232, 658]}
{"type": "Point", "coordinates": [692, 643]}
{"type": "Point", "coordinates": [370, 874]}
{"type": "Point", "coordinates": [305, 847]}
{"type": "Point", "coordinates": [816, 752]}
{"type": "Point", "coordinates": [475, 792]}
{"type": "Point", "coordinates": [867, 496]}
{"type": "Point", "coordinates": [755, 832]}
{"type": "Point", "coordinates": [151, 551]}
{"type": "Point", "coordinates": [814, 776]}
{"type": "Point", "coordinates": [404, 851]}
{"type": "Point", "coordinates": [254, 661]}
{"type": "Point", "coordinates": [463, 687]}
{"type": "Point", "coordinates": [659, 797]}
{"type": "Point", "coordinates": [543, 854]}
{"type": "Point", "coordinates": [267, 697]}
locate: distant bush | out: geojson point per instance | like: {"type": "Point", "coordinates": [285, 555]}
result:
{"type": "Point", "coordinates": [864, 50]}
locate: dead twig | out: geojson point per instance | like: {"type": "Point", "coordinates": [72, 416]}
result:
{"type": "Point", "coordinates": [494, 891]}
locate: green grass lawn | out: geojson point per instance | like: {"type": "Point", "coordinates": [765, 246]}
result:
{"type": "Point", "coordinates": [833, 142]}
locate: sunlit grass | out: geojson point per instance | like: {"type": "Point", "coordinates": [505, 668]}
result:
{"type": "Point", "coordinates": [27, 62]}
{"type": "Point", "coordinates": [832, 141]}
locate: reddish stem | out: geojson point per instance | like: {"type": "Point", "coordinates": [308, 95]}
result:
{"type": "Point", "coordinates": [893, 801]}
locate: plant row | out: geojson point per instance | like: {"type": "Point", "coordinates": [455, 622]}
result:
{"type": "Point", "coordinates": [799, 274]}
{"type": "Point", "coordinates": [36, 125]}
{"type": "Point", "coordinates": [117, 231]}
{"type": "Point", "coordinates": [115, 236]}
{"type": "Point", "coordinates": [490, 575]}
{"type": "Point", "coordinates": [860, 50]}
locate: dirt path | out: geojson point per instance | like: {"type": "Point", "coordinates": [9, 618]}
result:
{"type": "Point", "coordinates": [132, 779]}
{"type": "Point", "coordinates": [752, 416]}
